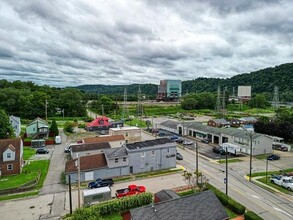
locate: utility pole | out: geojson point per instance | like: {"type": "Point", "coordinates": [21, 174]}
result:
{"type": "Point", "coordinates": [250, 161]}
{"type": "Point", "coordinates": [226, 171]}
{"type": "Point", "coordinates": [196, 162]}
{"type": "Point", "coordinates": [70, 196]}
{"type": "Point", "coordinates": [218, 104]}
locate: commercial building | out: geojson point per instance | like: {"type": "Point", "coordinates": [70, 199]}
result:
{"type": "Point", "coordinates": [169, 90]}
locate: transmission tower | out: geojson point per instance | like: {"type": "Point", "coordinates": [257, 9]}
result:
{"type": "Point", "coordinates": [139, 103]}
{"type": "Point", "coordinates": [125, 107]}
{"type": "Point", "coordinates": [276, 97]}
{"type": "Point", "coordinates": [218, 104]}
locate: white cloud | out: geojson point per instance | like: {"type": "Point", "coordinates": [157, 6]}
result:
{"type": "Point", "coordinates": [114, 42]}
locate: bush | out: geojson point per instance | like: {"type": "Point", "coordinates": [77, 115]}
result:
{"type": "Point", "coordinates": [113, 206]}
{"type": "Point", "coordinates": [249, 215]}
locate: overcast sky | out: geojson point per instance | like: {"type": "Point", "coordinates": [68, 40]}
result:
{"type": "Point", "coordinates": [69, 43]}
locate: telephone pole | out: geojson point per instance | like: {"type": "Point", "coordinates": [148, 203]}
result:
{"type": "Point", "coordinates": [46, 109]}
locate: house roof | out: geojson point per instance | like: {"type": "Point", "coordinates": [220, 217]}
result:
{"type": "Point", "coordinates": [104, 139]}
{"type": "Point", "coordinates": [90, 162]}
{"type": "Point", "coordinates": [149, 143]}
{"type": "Point", "coordinates": [166, 194]}
{"type": "Point", "coordinates": [198, 126]}
{"type": "Point", "coordinates": [99, 121]}
{"type": "Point", "coordinates": [239, 133]}
{"type": "Point", "coordinates": [115, 152]}
{"type": "Point", "coordinates": [10, 143]}
{"type": "Point", "coordinates": [125, 128]}
{"type": "Point", "coordinates": [248, 119]}
{"type": "Point", "coordinates": [170, 124]}
{"type": "Point", "coordinates": [90, 146]}
{"type": "Point", "coordinates": [38, 119]}
{"type": "Point", "coordinates": [220, 121]}
{"type": "Point", "coordinates": [203, 205]}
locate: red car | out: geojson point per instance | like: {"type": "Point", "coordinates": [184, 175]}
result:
{"type": "Point", "coordinates": [130, 190]}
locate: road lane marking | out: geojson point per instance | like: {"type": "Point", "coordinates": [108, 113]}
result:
{"type": "Point", "coordinates": [254, 196]}
{"type": "Point", "coordinates": [280, 210]}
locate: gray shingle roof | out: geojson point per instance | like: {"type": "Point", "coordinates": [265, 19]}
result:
{"type": "Point", "coordinates": [203, 128]}
{"type": "Point", "coordinates": [115, 152]}
{"type": "Point", "coordinates": [149, 143]}
{"type": "Point", "coordinates": [221, 121]}
{"type": "Point", "coordinates": [203, 205]}
{"type": "Point", "coordinates": [90, 146]}
{"type": "Point", "coordinates": [239, 133]}
{"type": "Point", "coordinates": [166, 194]}
{"type": "Point", "coordinates": [170, 124]}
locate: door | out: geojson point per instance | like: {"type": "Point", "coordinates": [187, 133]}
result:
{"type": "Point", "coordinates": [89, 176]}
{"type": "Point", "coordinates": [131, 169]}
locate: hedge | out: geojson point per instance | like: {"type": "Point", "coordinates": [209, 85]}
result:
{"type": "Point", "coordinates": [227, 201]}
{"type": "Point", "coordinates": [113, 206]}
{"type": "Point", "coordinates": [249, 215]}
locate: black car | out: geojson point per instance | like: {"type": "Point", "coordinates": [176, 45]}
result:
{"type": "Point", "coordinates": [219, 150]}
{"type": "Point", "coordinates": [100, 183]}
{"type": "Point", "coordinates": [273, 157]}
{"type": "Point", "coordinates": [42, 151]}
{"type": "Point", "coordinates": [179, 140]}
{"type": "Point", "coordinates": [179, 156]}
{"type": "Point", "coordinates": [206, 141]}
{"type": "Point", "coordinates": [280, 147]}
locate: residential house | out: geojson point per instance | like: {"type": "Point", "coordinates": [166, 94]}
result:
{"type": "Point", "coordinates": [103, 124]}
{"type": "Point", "coordinates": [11, 156]}
{"type": "Point", "coordinates": [131, 134]}
{"type": "Point", "coordinates": [165, 195]}
{"type": "Point", "coordinates": [38, 128]}
{"type": "Point", "coordinates": [135, 158]}
{"type": "Point", "coordinates": [169, 125]}
{"type": "Point", "coordinates": [248, 120]}
{"type": "Point", "coordinates": [151, 155]}
{"type": "Point", "coordinates": [202, 205]}
{"type": "Point", "coordinates": [88, 149]}
{"type": "Point", "coordinates": [16, 125]}
{"type": "Point", "coordinates": [114, 141]}
{"type": "Point", "coordinates": [218, 123]}
{"type": "Point", "coordinates": [234, 122]}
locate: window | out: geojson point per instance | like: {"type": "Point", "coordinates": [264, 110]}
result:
{"type": "Point", "coordinates": [168, 150]}
{"type": "Point", "coordinates": [116, 160]}
{"type": "Point", "coordinates": [142, 154]}
{"type": "Point", "coordinates": [8, 155]}
{"type": "Point", "coordinates": [126, 134]}
{"type": "Point", "coordinates": [10, 167]}
{"type": "Point", "coordinates": [124, 159]}
{"type": "Point", "coordinates": [153, 153]}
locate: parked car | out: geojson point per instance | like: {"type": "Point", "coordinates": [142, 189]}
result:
{"type": "Point", "coordinates": [130, 190]}
{"type": "Point", "coordinates": [273, 157]}
{"type": "Point", "coordinates": [58, 140]}
{"type": "Point", "coordinates": [102, 132]}
{"type": "Point", "coordinates": [280, 147]}
{"type": "Point", "coordinates": [179, 140]}
{"type": "Point", "coordinates": [67, 149]}
{"type": "Point", "coordinates": [174, 137]}
{"type": "Point", "coordinates": [42, 151]}
{"type": "Point", "coordinates": [179, 156]}
{"type": "Point", "coordinates": [100, 183]}
{"type": "Point", "coordinates": [206, 141]}
{"type": "Point", "coordinates": [161, 134]}
{"type": "Point", "coordinates": [187, 142]}
{"type": "Point", "coordinates": [219, 150]}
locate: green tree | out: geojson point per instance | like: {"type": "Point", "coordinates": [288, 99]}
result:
{"type": "Point", "coordinates": [196, 180]}
{"type": "Point", "coordinates": [54, 128]}
{"type": "Point", "coordinates": [189, 103]}
{"type": "Point", "coordinates": [6, 130]}
{"type": "Point", "coordinates": [259, 101]}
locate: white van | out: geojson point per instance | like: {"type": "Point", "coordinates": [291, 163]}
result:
{"type": "Point", "coordinates": [58, 140]}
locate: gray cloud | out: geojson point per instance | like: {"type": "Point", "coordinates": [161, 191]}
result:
{"type": "Point", "coordinates": [69, 43]}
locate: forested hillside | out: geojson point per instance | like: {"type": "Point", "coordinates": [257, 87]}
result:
{"type": "Point", "coordinates": [262, 81]}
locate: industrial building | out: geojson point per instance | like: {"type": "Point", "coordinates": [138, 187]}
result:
{"type": "Point", "coordinates": [169, 90]}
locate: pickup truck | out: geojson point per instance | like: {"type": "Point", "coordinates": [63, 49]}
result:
{"type": "Point", "coordinates": [130, 190]}
{"type": "Point", "coordinates": [100, 183]}
{"type": "Point", "coordinates": [284, 181]}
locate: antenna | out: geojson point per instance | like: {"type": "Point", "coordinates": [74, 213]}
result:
{"type": "Point", "coordinates": [139, 103]}
{"type": "Point", "coordinates": [125, 109]}
{"type": "Point", "coordinates": [218, 104]}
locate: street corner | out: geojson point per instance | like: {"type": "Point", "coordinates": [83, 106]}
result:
{"type": "Point", "coordinates": [179, 166]}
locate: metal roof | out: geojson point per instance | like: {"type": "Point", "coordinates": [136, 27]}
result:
{"type": "Point", "coordinates": [149, 143]}
{"type": "Point", "coordinates": [170, 124]}
{"type": "Point", "coordinates": [115, 152]}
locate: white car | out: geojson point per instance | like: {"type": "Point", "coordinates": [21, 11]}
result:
{"type": "Point", "coordinates": [285, 181]}
{"type": "Point", "coordinates": [187, 142]}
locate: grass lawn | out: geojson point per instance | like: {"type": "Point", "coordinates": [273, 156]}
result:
{"type": "Point", "coordinates": [230, 213]}
{"type": "Point", "coordinates": [29, 172]}
{"type": "Point", "coordinates": [271, 172]}
{"type": "Point", "coordinates": [230, 161]}
{"type": "Point", "coordinates": [262, 156]}
{"type": "Point", "coordinates": [16, 196]}
{"type": "Point", "coordinates": [28, 152]}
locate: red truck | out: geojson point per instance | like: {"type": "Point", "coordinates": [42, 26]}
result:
{"type": "Point", "coordinates": [130, 190]}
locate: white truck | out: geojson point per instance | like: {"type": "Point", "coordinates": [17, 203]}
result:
{"type": "Point", "coordinates": [92, 196]}
{"type": "Point", "coordinates": [231, 148]}
{"type": "Point", "coordinates": [284, 181]}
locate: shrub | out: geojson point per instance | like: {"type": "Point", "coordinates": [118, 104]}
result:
{"type": "Point", "coordinates": [235, 206]}
{"type": "Point", "coordinates": [113, 206]}
{"type": "Point", "coordinates": [249, 215]}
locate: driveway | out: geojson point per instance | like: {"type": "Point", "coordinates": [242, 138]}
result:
{"type": "Point", "coordinates": [52, 182]}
